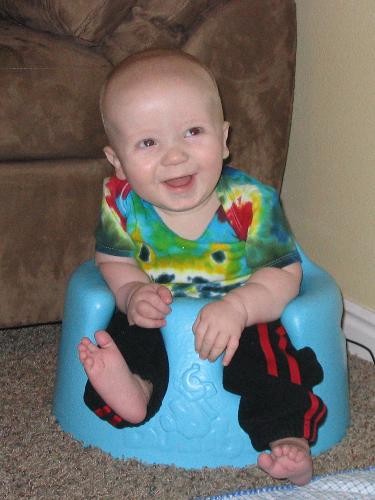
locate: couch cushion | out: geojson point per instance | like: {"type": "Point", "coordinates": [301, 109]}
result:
{"type": "Point", "coordinates": [87, 20]}
{"type": "Point", "coordinates": [251, 51]}
{"type": "Point", "coordinates": [49, 213]}
{"type": "Point", "coordinates": [156, 23]}
{"type": "Point", "coordinates": [49, 94]}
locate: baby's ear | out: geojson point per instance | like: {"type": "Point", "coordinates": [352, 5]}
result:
{"type": "Point", "coordinates": [225, 139]}
{"type": "Point", "coordinates": [114, 161]}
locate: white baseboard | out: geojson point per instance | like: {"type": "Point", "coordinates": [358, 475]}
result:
{"type": "Point", "coordinates": [359, 326]}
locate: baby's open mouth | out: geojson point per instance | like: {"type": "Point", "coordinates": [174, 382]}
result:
{"type": "Point", "coordinates": [179, 182]}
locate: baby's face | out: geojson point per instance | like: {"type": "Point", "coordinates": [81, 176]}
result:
{"type": "Point", "coordinates": [168, 139]}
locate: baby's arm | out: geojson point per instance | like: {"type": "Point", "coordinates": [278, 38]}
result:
{"type": "Point", "coordinates": [267, 293]}
{"type": "Point", "coordinates": [146, 304]}
{"type": "Point", "coordinates": [220, 324]}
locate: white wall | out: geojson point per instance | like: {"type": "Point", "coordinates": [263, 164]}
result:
{"type": "Point", "coordinates": [329, 184]}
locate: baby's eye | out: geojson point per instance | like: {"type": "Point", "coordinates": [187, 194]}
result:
{"type": "Point", "coordinates": [193, 131]}
{"type": "Point", "coordinates": [147, 143]}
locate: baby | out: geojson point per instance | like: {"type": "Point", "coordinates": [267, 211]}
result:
{"type": "Point", "coordinates": [173, 223]}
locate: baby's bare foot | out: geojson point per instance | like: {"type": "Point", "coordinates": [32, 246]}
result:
{"type": "Point", "coordinates": [290, 458]}
{"type": "Point", "coordinates": [126, 393]}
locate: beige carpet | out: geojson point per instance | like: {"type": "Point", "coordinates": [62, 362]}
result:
{"type": "Point", "coordinates": [39, 461]}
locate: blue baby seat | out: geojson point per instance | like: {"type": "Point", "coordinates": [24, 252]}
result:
{"type": "Point", "coordinates": [197, 423]}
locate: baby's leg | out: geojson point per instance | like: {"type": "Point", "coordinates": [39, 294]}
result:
{"type": "Point", "coordinates": [126, 393]}
{"type": "Point", "coordinates": [290, 458]}
{"type": "Point", "coordinates": [275, 382]}
{"type": "Point", "coordinates": [142, 353]}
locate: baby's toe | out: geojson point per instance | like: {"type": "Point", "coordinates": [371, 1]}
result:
{"type": "Point", "coordinates": [88, 363]}
{"type": "Point", "coordinates": [278, 451]}
{"type": "Point", "coordinates": [300, 455]}
{"type": "Point", "coordinates": [292, 453]}
{"type": "Point", "coordinates": [85, 341]}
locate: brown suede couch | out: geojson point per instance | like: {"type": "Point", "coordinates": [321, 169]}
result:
{"type": "Point", "coordinates": [54, 57]}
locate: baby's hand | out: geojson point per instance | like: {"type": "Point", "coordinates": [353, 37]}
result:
{"type": "Point", "coordinates": [148, 304]}
{"type": "Point", "coordinates": [218, 327]}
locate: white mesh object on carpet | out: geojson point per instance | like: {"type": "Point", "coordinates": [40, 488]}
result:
{"type": "Point", "coordinates": [349, 485]}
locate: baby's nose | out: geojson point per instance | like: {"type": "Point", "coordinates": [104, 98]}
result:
{"type": "Point", "coordinates": [174, 155]}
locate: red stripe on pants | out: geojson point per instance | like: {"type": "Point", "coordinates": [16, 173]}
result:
{"type": "Point", "coordinates": [295, 374]}
{"type": "Point", "coordinates": [316, 422]}
{"type": "Point", "coordinates": [267, 349]}
{"type": "Point", "coordinates": [307, 434]}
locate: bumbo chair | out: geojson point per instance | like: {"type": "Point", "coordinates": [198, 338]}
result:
{"type": "Point", "coordinates": [197, 423]}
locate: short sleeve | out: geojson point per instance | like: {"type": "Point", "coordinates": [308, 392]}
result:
{"type": "Point", "coordinates": [270, 242]}
{"type": "Point", "coordinates": [111, 234]}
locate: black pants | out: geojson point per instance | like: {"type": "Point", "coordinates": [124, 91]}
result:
{"type": "Point", "coordinates": [274, 380]}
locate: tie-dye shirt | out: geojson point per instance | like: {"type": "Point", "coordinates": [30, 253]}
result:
{"type": "Point", "coordinates": [248, 231]}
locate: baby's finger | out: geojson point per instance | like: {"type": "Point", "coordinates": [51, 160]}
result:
{"type": "Point", "coordinates": [148, 310]}
{"type": "Point", "coordinates": [207, 343]}
{"type": "Point", "coordinates": [218, 348]}
{"type": "Point", "coordinates": [199, 331]}
{"type": "Point", "coordinates": [165, 294]}
{"type": "Point", "coordinates": [150, 323]}
{"type": "Point", "coordinates": [230, 350]}
{"type": "Point", "coordinates": [154, 300]}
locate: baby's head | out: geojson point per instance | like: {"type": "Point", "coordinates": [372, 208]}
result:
{"type": "Point", "coordinates": [162, 109]}
{"type": "Point", "coordinates": [157, 69]}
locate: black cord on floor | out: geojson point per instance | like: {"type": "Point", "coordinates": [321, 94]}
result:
{"type": "Point", "coordinates": [363, 347]}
